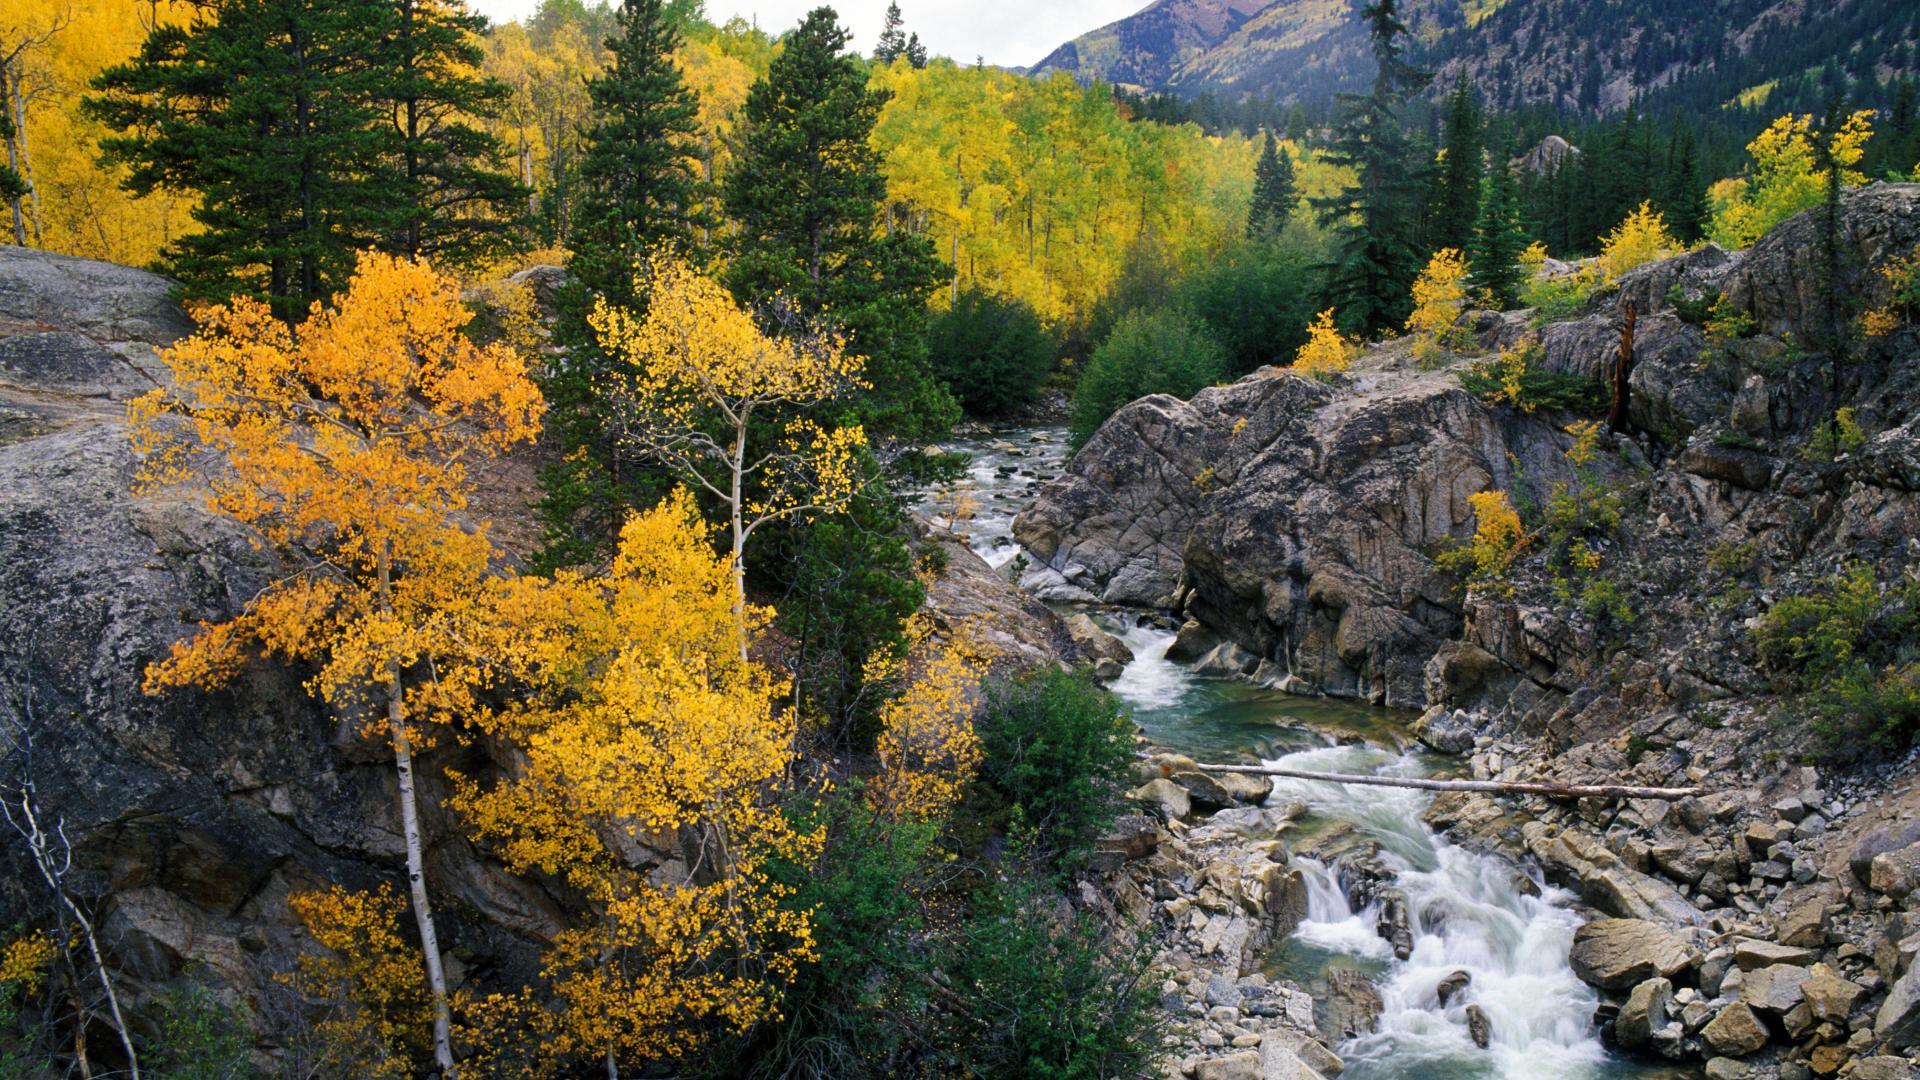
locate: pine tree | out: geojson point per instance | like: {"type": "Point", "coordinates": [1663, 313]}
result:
{"type": "Point", "coordinates": [1375, 220]}
{"type": "Point", "coordinates": [892, 43]}
{"type": "Point", "coordinates": [1274, 192]}
{"type": "Point", "coordinates": [637, 192]}
{"type": "Point", "coordinates": [806, 192]}
{"type": "Point", "coordinates": [267, 109]}
{"type": "Point", "coordinates": [1684, 202]}
{"type": "Point", "coordinates": [1493, 253]}
{"type": "Point", "coordinates": [455, 202]}
{"type": "Point", "coordinates": [1457, 195]}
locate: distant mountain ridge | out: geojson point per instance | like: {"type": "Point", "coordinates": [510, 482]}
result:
{"type": "Point", "coordinates": [1587, 56]}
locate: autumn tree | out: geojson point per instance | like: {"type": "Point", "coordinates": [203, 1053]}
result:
{"type": "Point", "coordinates": [637, 191]}
{"type": "Point", "coordinates": [1275, 191]}
{"type": "Point", "coordinates": [348, 440]}
{"type": "Point", "coordinates": [1787, 175]}
{"type": "Point", "coordinates": [1327, 351]}
{"type": "Point", "coordinates": [807, 194]}
{"type": "Point", "coordinates": [1375, 218]}
{"type": "Point", "coordinates": [705, 376]}
{"type": "Point", "coordinates": [1439, 299]}
{"type": "Point", "coordinates": [651, 744]}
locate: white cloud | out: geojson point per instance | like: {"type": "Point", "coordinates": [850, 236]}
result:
{"type": "Point", "coordinates": [1010, 33]}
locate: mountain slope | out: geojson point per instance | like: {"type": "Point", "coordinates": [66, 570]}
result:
{"type": "Point", "coordinates": [1589, 56]}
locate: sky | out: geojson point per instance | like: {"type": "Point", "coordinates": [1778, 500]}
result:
{"type": "Point", "coordinates": [1008, 33]}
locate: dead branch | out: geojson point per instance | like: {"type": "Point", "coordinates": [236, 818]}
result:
{"type": "Point", "coordinates": [1493, 787]}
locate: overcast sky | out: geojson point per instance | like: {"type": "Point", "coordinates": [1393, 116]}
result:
{"type": "Point", "coordinates": [1010, 33]}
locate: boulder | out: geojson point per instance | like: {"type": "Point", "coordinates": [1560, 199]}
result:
{"type": "Point", "coordinates": [1353, 1005]}
{"type": "Point", "coordinates": [1775, 989]}
{"type": "Point", "coordinates": [1095, 643]}
{"type": "Point", "coordinates": [1241, 1066]}
{"type": "Point", "coordinates": [1735, 1031]}
{"type": "Point", "coordinates": [1279, 1061]}
{"type": "Point", "coordinates": [1286, 890]}
{"type": "Point", "coordinates": [1604, 879]}
{"type": "Point", "coordinates": [1479, 1027]}
{"type": "Point", "coordinates": [1725, 1068]}
{"type": "Point", "coordinates": [1165, 797]}
{"type": "Point", "coordinates": [1205, 792]}
{"type": "Point", "coordinates": [1898, 1021]}
{"type": "Point", "coordinates": [1616, 954]}
{"type": "Point", "coordinates": [1751, 953]}
{"type": "Point", "coordinates": [1895, 872]}
{"type": "Point", "coordinates": [1451, 985]}
{"type": "Point", "coordinates": [1245, 787]}
{"type": "Point", "coordinates": [1830, 995]}
{"type": "Point", "coordinates": [1644, 1013]}
{"type": "Point", "coordinates": [1450, 731]}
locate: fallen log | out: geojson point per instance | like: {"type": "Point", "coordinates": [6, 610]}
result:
{"type": "Point", "coordinates": [1495, 787]}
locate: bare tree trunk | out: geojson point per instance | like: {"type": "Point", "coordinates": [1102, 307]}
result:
{"type": "Point", "coordinates": [739, 535]}
{"type": "Point", "coordinates": [1622, 372]}
{"type": "Point", "coordinates": [1497, 787]}
{"type": "Point", "coordinates": [416, 850]}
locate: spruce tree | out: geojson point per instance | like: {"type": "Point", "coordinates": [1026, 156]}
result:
{"type": "Point", "coordinates": [269, 111]}
{"type": "Point", "coordinates": [1375, 220]}
{"type": "Point", "coordinates": [455, 203]}
{"type": "Point", "coordinates": [894, 44]}
{"type": "Point", "coordinates": [1493, 253]}
{"type": "Point", "coordinates": [1274, 192]}
{"type": "Point", "coordinates": [1684, 202]}
{"type": "Point", "coordinates": [806, 192]}
{"type": "Point", "coordinates": [1457, 195]}
{"type": "Point", "coordinates": [636, 192]}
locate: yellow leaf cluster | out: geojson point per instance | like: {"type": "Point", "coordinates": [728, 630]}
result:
{"type": "Point", "coordinates": [1507, 371]}
{"type": "Point", "coordinates": [380, 1013]}
{"type": "Point", "coordinates": [1439, 299]}
{"type": "Point", "coordinates": [927, 747]}
{"type": "Point", "coordinates": [1499, 538]}
{"type": "Point", "coordinates": [1326, 351]}
{"type": "Point", "coordinates": [25, 960]}
{"type": "Point", "coordinates": [1586, 443]}
{"type": "Point", "coordinates": [1901, 280]}
{"type": "Point", "coordinates": [1638, 240]}
{"type": "Point", "coordinates": [1785, 177]}
{"type": "Point", "coordinates": [648, 730]}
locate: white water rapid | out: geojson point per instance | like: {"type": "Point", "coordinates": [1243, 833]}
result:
{"type": "Point", "coordinates": [1467, 912]}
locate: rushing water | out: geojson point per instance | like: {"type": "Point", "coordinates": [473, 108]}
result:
{"type": "Point", "coordinates": [1468, 912]}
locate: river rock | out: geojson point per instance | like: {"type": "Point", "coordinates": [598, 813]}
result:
{"type": "Point", "coordinates": [1095, 643]}
{"type": "Point", "coordinates": [1245, 1065]}
{"type": "Point", "coordinates": [1735, 1031]}
{"type": "Point", "coordinates": [1479, 1027]}
{"type": "Point", "coordinates": [1830, 995]}
{"type": "Point", "coordinates": [1725, 1068]}
{"type": "Point", "coordinates": [1644, 1013]}
{"type": "Point", "coordinates": [1615, 954]}
{"type": "Point", "coordinates": [1450, 731]}
{"type": "Point", "coordinates": [1604, 879]}
{"type": "Point", "coordinates": [1167, 798]}
{"type": "Point", "coordinates": [1286, 889]}
{"type": "Point", "coordinates": [1451, 985]}
{"type": "Point", "coordinates": [1353, 1005]}
{"type": "Point", "coordinates": [1282, 1062]}
{"type": "Point", "coordinates": [1245, 787]}
{"type": "Point", "coordinates": [1205, 792]}
{"type": "Point", "coordinates": [1751, 953]}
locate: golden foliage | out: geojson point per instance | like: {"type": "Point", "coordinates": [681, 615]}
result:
{"type": "Point", "coordinates": [1498, 541]}
{"type": "Point", "coordinates": [1901, 280]}
{"type": "Point", "coordinates": [25, 960]}
{"type": "Point", "coordinates": [381, 1014]}
{"type": "Point", "coordinates": [1586, 443]}
{"type": "Point", "coordinates": [649, 741]}
{"type": "Point", "coordinates": [1638, 240]}
{"type": "Point", "coordinates": [1506, 374]}
{"type": "Point", "coordinates": [1439, 299]}
{"type": "Point", "coordinates": [1785, 177]}
{"type": "Point", "coordinates": [1326, 351]}
{"type": "Point", "coordinates": [76, 206]}
{"type": "Point", "coordinates": [927, 747]}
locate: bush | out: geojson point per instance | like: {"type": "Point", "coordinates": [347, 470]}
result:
{"type": "Point", "coordinates": [1854, 650]}
{"type": "Point", "coordinates": [1044, 997]}
{"type": "Point", "coordinates": [1256, 300]}
{"type": "Point", "coordinates": [201, 1038]}
{"type": "Point", "coordinates": [991, 351]}
{"type": "Point", "coordinates": [1515, 377]}
{"type": "Point", "coordinates": [1057, 754]}
{"type": "Point", "coordinates": [1167, 351]}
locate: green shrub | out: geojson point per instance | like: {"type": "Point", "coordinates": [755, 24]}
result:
{"type": "Point", "coordinates": [991, 351]}
{"type": "Point", "coordinates": [1690, 308]}
{"type": "Point", "coordinates": [1515, 376]}
{"type": "Point", "coordinates": [1045, 998]}
{"type": "Point", "coordinates": [1149, 352]}
{"type": "Point", "coordinates": [1057, 754]}
{"type": "Point", "coordinates": [1563, 297]}
{"type": "Point", "coordinates": [201, 1038]}
{"type": "Point", "coordinates": [1257, 300]}
{"type": "Point", "coordinates": [1853, 649]}
{"type": "Point", "coordinates": [1734, 439]}
{"type": "Point", "coordinates": [1841, 435]}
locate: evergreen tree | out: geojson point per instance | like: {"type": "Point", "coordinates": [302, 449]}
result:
{"type": "Point", "coordinates": [1274, 192]}
{"type": "Point", "coordinates": [637, 192]}
{"type": "Point", "coordinates": [456, 204]}
{"type": "Point", "coordinates": [806, 192]}
{"type": "Point", "coordinates": [268, 110]}
{"type": "Point", "coordinates": [1375, 220]}
{"type": "Point", "coordinates": [1493, 253]}
{"type": "Point", "coordinates": [1684, 203]}
{"type": "Point", "coordinates": [894, 43]}
{"type": "Point", "coordinates": [1457, 195]}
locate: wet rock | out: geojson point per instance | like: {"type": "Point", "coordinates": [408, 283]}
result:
{"type": "Point", "coordinates": [1191, 643]}
{"type": "Point", "coordinates": [1452, 985]}
{"type": "Point", "coordinates": [1095, 643]}
{"type": "Point", "coordinates": [1724, 1068]}
{"type": "Point", "coordinates": [1204, 791]}
{"type": "Point", "coordinates": [1393, 924]}
{"type": "Point", "coordinates": [1245, 787]}
{"type": "Point", "coordinates": [1286, 890]}
{"type": "Point", "coordinates": [1165, 797]}
{"type": "Point", "coordinates": [1644, 1013]}
{"type": "Point", "coordinates": [1735, 1031]}
{"type": "Point", "coordinates": [1615, 954]}
{"type": "Point", "coordinates": [1450, 731]}
{"type": "Point", "coordinates": [1353, 1005]}
{"type": "Point", "coordinates": [1479, 1027]}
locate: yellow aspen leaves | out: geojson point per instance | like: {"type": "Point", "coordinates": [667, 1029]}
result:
{"type": "Point", "coordinates": [649, 742]}
{"type": "Point", "coordinates": [379, 1013]}
{"type": "Point", "coordinates": [1900, 279]}
{"type": "Point", "coordinates": [25, 960]}
{"type": "Point", "coordinates": [1498, 541]}
{"type": "Point", "coordinates": [1439, 299]}
{"type": "Point", "coordinates": [1326, 352]}
{"type": "Point", "coordinates": [1638, 240]}
{"type": "Point", "coordinates": [927, 747]}
{"type": "Point", "coordinates": [1785, 177]}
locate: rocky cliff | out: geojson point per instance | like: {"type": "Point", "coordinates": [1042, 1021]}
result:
{"type": "Point", "coordinates": [1294, 525]}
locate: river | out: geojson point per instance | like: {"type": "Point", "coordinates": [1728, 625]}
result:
{"type": "Point", "coordinates": [1469, 912]}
